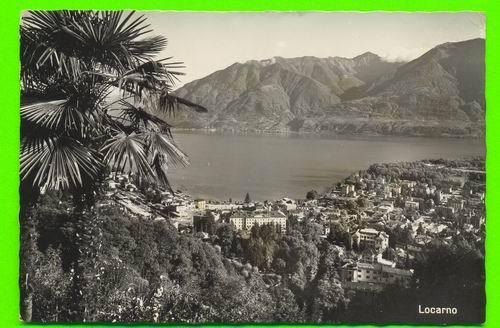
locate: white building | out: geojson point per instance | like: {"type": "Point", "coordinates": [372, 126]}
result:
{"type": "Point", "coordinates": [200, 204]}
{"type": "Point", "coordinates": [376, 273]}
{"type": "Point", "coordinates": [245, 221]}
{"type": "Point", "coordinates": [371, 238]}
{"type": "Point", "coordinates": [222, 206]}
{"type": "Point", "coordinates": [409, 204]}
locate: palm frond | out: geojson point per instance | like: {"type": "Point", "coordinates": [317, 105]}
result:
{"type": "Point", "coordinates": [58, 115]}
{"type": "Point", "coordinates": [140, 116]}
{"type": "Point", "coordinates": [69, 42]}
{"type": "Point", "coordinates": [42, 52]}
{"type": "Point", "coordinates": [159, 143]}
{"type": "Point", "coordinates": [168, 103]}
{"type": "Point", "coordinates": [60, 163]}
{"type": "Point", "coordinates": [151, 76]}
{"type": "Point", "coordinates": [125, 153]}
{"type": "Point", "coordinates": [34, 138]}
{"type": "Point", "coordinates": [160, 168]}
{"type": "Point", "coordinates": [163, 153]}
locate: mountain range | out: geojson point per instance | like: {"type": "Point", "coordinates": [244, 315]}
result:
{"type": "Point", "coordinates": [440, 93]}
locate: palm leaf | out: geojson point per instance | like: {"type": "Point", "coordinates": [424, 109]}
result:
{"type": "Point", "coordinates": [160, 168]}
{"type": "Point", "coordinates": [163, 153]}
{"type": "Point", "coordinates": [69, 42]}
{"type": "Point", "coordinates": [125, 153]}
{"type": "Point", "coordinates": [34, 138]}
{"type": "Point", "coordinates": [140, 116]}
{"type": "Point", "coordinates": [168, 103]}
{"type": "Point", "coordinates": [60, 163]}
{"type": "Point", "coordinates": [159, 143]}
{"type": "Point", "coordinates": [58, 115]}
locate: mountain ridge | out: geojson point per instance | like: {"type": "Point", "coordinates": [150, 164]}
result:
{"type": "Point", "coordinates": [438, 93]}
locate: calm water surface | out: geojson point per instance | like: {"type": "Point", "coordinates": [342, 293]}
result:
{"type": "Point", "coordinates": [271, 167]}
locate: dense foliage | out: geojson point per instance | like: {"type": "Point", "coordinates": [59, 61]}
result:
{"type": "Point", "coordinates": [145, 270]}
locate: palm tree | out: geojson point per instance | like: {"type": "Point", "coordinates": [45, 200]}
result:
{"type": "Point", "coordinates": [93, 101]}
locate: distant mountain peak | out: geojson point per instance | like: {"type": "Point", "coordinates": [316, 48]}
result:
{"type": "Point", "coordinates": [367, 54]}
{"type": "Point", "coordinates": [270, 61]}
{"type": "Point", "coordinates": [367, 57]}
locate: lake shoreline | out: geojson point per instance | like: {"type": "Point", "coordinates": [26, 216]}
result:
{"type": "Point", "coordinates": [322, 134]}
{"type": "Point", "coordinates": [271, 166]}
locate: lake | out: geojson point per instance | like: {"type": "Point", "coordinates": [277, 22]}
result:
{"type": "Point", "coordinates": [224, 166]}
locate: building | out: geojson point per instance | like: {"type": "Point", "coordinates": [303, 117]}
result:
{"type": "Point", "coordinates": [375, 273]}
{"type": "Point", "coordinates": [457, 203]}
{"type": "Point", "coordinates": [445, 211]}
{"type": "Point", "coordinates": [423, 189]}
{"type": "Point", "coordinates": [347, 189]}
{"type": "Point", "coordinates": [371, 238]}
{"type": "Point", "coordinates": [476, 220]}
{"type": "Point", "coordinates": [384, 193]}
{"type": "Point", "coordinates": [245, 221]}
{"type": "Point", "coordinates": [287, 204]}
{"type": "Point", "coordinates": [438, 196]}
{"type": "Point", "coordinates": [409, 204]}
{"type": "Point", "coordinates": [204, 222]}
{"type": "Point", "coordinates": [386, 207]}
{"type": "Point", "coordinates": [238, 221]}
{"type": "Point", "coordinates": [222, 206]}
{"type": "Point", "coordinates": [408, 185]}
{"type": "Point", "coordinates": [182, 211]}
{"type": "Point", "coordinates": [396, 189]}
{"type": "Point", "coordinates": [200, 204]}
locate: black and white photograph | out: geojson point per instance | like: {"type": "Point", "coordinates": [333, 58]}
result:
{"type": "Point", "coordinates": [252, 167]}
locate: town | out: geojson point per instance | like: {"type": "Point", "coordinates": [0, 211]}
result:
{"type": "Point", "coordinates": [379, 219]}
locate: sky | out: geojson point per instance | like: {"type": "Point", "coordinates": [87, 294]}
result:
{"type": "Point", "coordinates": [210, 41]}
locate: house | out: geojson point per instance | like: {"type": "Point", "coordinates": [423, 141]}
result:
{"type": "Point", "coordinates": [386, 207]}
{"type": "Point", "coordinates": [410, 204]}
{"type": "Point", "coordinates": [371, 238]}
{"type": "Point", "coordinates": [408, 185]}
{"type": "Point", "coordinates": [347, 189]}
{"type": "Point", "coordinates": [396, 189]}
{"type": "Point", "coordinates": [375, 273]}
{"type": "Point", "coordinates": [200, 204]}
{"type": "Point", "coordinates": [326, 230]}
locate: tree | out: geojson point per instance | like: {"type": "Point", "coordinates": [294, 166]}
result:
{"type": "Point", "coordinates": [390, 254]}
{"type": "Point", "coordinates": [248, 200]}
{"type": "Point", "coordinates": [312, 194]}
{"type": "Point", "coordinates": [326, 296]}
{"type": "Point", "coordinates": [362, 202]}
{"type": "Point", "coordinates": [338, 235]}
{"type": "Point", "coordinates": [93, 100]}
{"type": "Point", "coordinates": [286, 308]}
{"type": "Point", "coordinates": [420, 229]}
{"type": "Point", "coordinates": [226, 236]}
{"type": "Point", "coordinates": [329, 298]}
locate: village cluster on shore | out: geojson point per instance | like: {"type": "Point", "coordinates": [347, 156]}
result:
{"type": "Point", "coordinates": [379, 219]}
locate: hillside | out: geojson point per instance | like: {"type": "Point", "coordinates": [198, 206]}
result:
{"type": "Point", "coordinates": [439, 93]}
